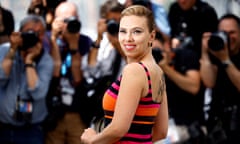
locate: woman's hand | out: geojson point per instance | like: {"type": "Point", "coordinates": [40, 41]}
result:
{"type": "Point", "coordinates": [88, 135]}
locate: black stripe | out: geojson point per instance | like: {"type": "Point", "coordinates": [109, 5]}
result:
{"type": "Point", "coordinates": [144, 118]}
{"type": "Point", "coordinates": [136, 139]}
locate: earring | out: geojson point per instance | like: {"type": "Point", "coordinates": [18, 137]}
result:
{"type": "Point", "coordinates": [150, 44]}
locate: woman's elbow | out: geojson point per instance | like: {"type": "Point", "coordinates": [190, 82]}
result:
{"type": "Point", "coordinates": [119, 132]}
{"type": "Point", "coordinates": [160, 136]}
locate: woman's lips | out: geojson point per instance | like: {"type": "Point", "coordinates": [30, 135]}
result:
{"type": "Point", "coordinates": [129, 46]}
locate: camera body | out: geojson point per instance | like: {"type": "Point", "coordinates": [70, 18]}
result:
{"type": "Point", "coordinates": [29, 39]}
{"type": "Point", "coordinates": [112, 27]}
{"type": "Point", "coordinates": [218, 40]}
{"type": "Point", "coordinates": [73, 24]}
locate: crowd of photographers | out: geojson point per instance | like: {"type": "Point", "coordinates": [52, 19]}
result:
{"type": "Point", "coordinates": [52, 77]}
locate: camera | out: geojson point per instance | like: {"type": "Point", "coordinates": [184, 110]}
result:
{"type": "Point", "coordinates": [112, 27]}
{"type": "Point", "coordinates": [186, 42]}
{"type": "Point", "coordinates": [29, 39]}
{"type": "Point", "coordinates": [73, 24]}
{"type": "Point", "coordinates": [157, 54]}
{"type": "Point", "coordinates": [218, 40]}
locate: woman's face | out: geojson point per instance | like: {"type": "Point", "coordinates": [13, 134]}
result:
{"type": "Point", "coordinates": [134, 36]}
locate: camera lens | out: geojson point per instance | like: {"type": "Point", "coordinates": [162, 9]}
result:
{"type": "Point", "coordinates": [217, 40]}
{"type": "Point", "coordinates": [29, 38]}
{"type": "Point", "coordinates": [112, 27]}
{"type": "Point", "coordinates": [73, 24]}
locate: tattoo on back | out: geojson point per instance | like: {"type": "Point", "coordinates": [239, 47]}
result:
{"type": "Point", "coordinates": [162, 86]}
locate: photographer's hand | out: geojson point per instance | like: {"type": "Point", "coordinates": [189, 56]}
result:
{"type": "Point", "coordinates": [164, 62]}
{"type": "Point", "coordinates": [102, 27]}
{"type": "Point", "coordinates": [175, 42]}
{"type": "Point", "coordinates": [29, 60]}
{"type": "Point", "coordinates": [32, 53]}
{"type": "Point", "coordinates": [207, 69]}
{"type": "Point", "coordinates": [57, 27]}
{"type": "Point", "coordinates": [15, 41]}
{"type": "Point", "coordinates": [222, 54]}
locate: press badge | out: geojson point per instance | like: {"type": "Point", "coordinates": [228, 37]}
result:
{"type": "Point", "coordinates": [24, 106]}
{"type": "Point", "coordinates": [23, 111]}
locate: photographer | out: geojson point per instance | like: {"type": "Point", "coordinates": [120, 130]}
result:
{"type": "Point", "coordinates": [185, 103]}
{"type": "Point", "coordinates": [220, 70]}
{"type": "Point", "coordinates": [191, 18]}
{"type": "Point", "coordinates": [25, 74]}
{"type": "Point", "coordinates": [104, 62]}
{"type": "Point", "coordinates": [64, 124]}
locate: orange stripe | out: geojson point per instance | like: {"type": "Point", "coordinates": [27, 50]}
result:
{"type": "Point", "coordinates": [146, 112]}
{"type": "Point", "coordinates": [108, 103]}
{"type": "Point", "coordinates": [142, 122]}
{"type": "Point", "coordinates": [107, 116]}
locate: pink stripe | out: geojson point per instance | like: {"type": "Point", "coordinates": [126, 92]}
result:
{"type": "Point", "coordinates": [148, 73]}
{"type": "Point", "coordinates": [150, 90]}
{"type": "Point", "coordinates": [138, 136]}
{"type": "Point", "coordinates": [146, 99]}
{"type": "Point", "coordinates": [114, 85]}
{"type": "Point", "coordinates": [130, 142]}
{"type": "Point", "coordinates": [110, 93]}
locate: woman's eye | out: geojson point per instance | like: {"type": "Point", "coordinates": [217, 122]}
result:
{"type": "Point", "coordinates": [137, 32]}
{"type": "Point", "coordinates": [122, 31]}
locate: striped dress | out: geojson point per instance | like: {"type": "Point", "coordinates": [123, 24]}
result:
{"type": "Point", "coordinates": [143, 121]}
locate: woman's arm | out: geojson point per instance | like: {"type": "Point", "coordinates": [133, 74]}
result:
{"type": "Point", "coordinates": [130, 92]}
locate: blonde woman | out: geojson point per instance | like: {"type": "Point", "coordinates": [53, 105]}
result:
{"type": "Point", "coordinates": [135, 105]}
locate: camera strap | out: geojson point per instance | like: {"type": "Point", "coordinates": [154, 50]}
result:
{"type": "Point", "coordinates": [23, 105]}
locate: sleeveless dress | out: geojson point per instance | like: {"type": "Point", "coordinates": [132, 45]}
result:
{"type": "Point", "coordinates": [140, 131]}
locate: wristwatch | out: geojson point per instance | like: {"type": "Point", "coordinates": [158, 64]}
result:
{"type": "Point", "coordinates": [73, 51]}
{"type": "Point", "coordinates": [32, 65]}
{"type": "Point", "coordinates": [95, 45]}
{"type": "Point", "coordinates": [226, 63]}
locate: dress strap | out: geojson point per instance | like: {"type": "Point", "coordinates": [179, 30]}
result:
{"type": "Point", "coordinates": [149, 79]}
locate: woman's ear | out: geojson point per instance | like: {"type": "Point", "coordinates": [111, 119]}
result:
{"type": "Point", "coordinates": [153, 34]}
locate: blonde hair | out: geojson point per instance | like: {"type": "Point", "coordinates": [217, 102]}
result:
{"type": "Point", "coordinates": [141, 11]}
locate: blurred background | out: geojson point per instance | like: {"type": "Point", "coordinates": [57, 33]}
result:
{"type": "Point", "coordinates": [89, 10]}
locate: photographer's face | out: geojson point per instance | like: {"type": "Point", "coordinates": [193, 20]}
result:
{"type": "Point", "coordinates": [116, 17]}
{"type": "Point", "coordinates": [64, 12]}
{"type": "Point", "coordinates": [113, 15]}
{"type": "Point", "coordinates": [230, 26]}
{"type": "Point", "coordinates": [186, 4]}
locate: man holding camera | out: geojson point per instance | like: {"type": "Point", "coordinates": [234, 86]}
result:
{"type": "Point", "coordinates": [181, 68]}
{"type": "Point", "coordinates": [220, 70]}
{"type": "Point", "coordinates": [103, 63]}
{"type": "Point", "coordinates": [189, 19]}
{"type": "Point", "coordinates": [68, 47]}
{"type": "Point", "coordinates": [25, 74]}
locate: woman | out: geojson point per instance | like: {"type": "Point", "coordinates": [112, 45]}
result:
{"type": "Point", "coordinates": [132, 103]}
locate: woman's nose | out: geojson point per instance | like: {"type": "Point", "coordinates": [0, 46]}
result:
{"type": "Point", "coordinates": [129, 37]}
